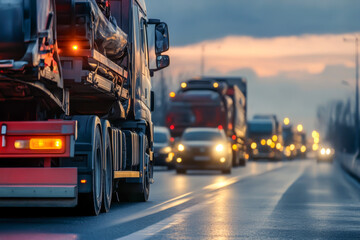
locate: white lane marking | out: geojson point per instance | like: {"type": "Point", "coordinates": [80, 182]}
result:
{"type": "Point", "coordinates": [173, 220]}
{"type": "Point", "coordinates": [180, 217]}
{"type": "Point", "coordinates": [274, 201]}
{"type": "Point", "coordinates": [171, 200]}
{"type": "Point", "coordinates": [176, 201]}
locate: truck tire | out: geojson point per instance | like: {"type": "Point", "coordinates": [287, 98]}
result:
{"type": "Point", "coordinates": [235, 159]}
{"type": "Point", "coordinates": [144, 193]}
{"type": "Point", "coordinates": [242, 163]}
{"type": "Point", "coordinates": [226, 171]}
{"type": "Point", "coordinates": [107, 172]}
{"type": "Point", "coordinates": [91, 202]}
{"type": "Point", "coordinates": [180, 171]}
{"type": "Point", "coordinates": [143, 189]}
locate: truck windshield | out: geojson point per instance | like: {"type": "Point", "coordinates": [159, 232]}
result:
{"type": "Point", "coordinates": [202, 136]}
{"type": "Point", "coordinates": [196, 116]}
{"type": "Point", "coordinates": [257, 128]}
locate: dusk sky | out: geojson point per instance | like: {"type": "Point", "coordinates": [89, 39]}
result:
{"type": "Point", "coordinates": [291, 52]}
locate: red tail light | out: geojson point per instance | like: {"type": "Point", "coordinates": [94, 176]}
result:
{"type": "Point", "coordinates": [233, 137]}
{"type": "Point", "coordinates": [220, 127]}
{"type": "Point", "coordinates": [172, 127]}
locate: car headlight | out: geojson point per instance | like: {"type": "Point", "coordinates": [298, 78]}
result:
{"type": "Point", "coordinates": [181, 147]}
{"type": "Point", "coordinates": [322, 151]}
{"type": "Point", "coordinates": [328, 151]}
{"type": "Point", "coordinates": [165, 150]}
{"type": "Point", "coordinates": [219, 148]}
{"type": "Point", "coordinates": [253, 145]}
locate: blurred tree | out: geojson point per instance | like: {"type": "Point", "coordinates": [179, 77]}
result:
{"type": "Point", "coordinates": [336, 121]}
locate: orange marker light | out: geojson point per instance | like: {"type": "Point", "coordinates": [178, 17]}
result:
{"type": "Point", "coordinates": [83, 181]}
{"type": "Point", "coordinates": [75, 47]}
{"type": "Point", "coordinates": [172, 94]}
{"type": "Point", "coordinates": [45, 144]}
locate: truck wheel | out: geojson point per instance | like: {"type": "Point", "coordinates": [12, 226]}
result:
{"type": "Point", "coordinates": [107, 173]}
{"type": "Point", "coordinates": [144, 195]}
{"type": "Point", "coordinates": [140, 192]}
{"type": "Point", "coordinates": [242, 163]}
{"type": "Point", "coordinates": [180, 171]}
{"type": "Point", "coordinates": [92, 201]}
{"type": "Point", "coordinates": [226, 171]}
{"type": "Point", "coordinates": [235, 160]}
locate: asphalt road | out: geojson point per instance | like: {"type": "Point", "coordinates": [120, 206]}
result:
{"type": "Point", "coordinates": [265, 200]}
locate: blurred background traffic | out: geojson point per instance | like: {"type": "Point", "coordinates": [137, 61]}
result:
{"type": "Point", "coordinates": [278, 89]}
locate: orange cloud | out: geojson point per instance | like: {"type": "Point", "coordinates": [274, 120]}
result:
{"type": "Point", "coordinates": [266, 56]}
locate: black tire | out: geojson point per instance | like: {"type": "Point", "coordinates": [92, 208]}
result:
{"type": "Point", "coordinates": [143, 196]}
{"type": "Point", "coordinates": [91, 202]}
{"type": "Point", "coordinates": [180, 171]}
{"type": "Point", "coordinates": [226, 171]}
{"type": "Point", "coordinates": [142, 190]}
{"type": "Point", "coordinates": [107, 173]}
{"type": "Point", "coordinates": [242, 163]}
{"type": "Point", "coordinates": [235, 160]}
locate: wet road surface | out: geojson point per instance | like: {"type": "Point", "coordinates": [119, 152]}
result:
{"type": "Point", "coordinates": [265, 200]}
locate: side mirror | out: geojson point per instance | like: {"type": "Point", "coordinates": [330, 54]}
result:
{"type": "Point", "coordinates": [162, 61]}
{"type": "Point", "coordinates": [161, 38]}
{"type": "Point", "coordinates": [161, 44]}
{"type": "Point", "coordinates": [152, 101]}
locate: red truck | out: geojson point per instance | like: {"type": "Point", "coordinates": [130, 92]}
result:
{"type": "Point", "coordinates": [76, 101]}
{"type": "Point", "coordinates": [206, 102]}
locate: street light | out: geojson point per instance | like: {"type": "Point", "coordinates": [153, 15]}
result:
{"type": "Point", "coordinates": [286, 121]}
{"type": "Point", "coordinates": [356, 40]}
{"type": "Point", "coordinates": [300, 128]}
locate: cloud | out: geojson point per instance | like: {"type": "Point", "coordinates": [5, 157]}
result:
{"type": "Point", "coordinates": [195, 21]}
{"type": "Point", "coordinates": [266, 56]}
{"type": "Point", "coordinates": [296, 95]}
{"type": "Point", "coordinates": [289, 76]}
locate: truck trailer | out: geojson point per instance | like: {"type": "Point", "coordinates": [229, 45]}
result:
{"type": "Point", "coordinates": [76, 101]}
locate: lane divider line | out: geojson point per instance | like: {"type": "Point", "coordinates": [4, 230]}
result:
{"type": "Point", "coordinates": [177, 201]}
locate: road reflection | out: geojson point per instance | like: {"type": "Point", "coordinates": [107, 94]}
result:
{"type": "Point", "coordinates": [37, 236]}
{"type": "Point", "coordinates": [220, 214]}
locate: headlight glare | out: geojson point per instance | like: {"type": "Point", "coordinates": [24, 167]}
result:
{"type": "Point", "coordinates": [181, 147]}
{"type": "Point", "coordinates": [219, 148]}
{"type": "Point", "coordinates": [322, 151]}
{"type": "Point", "coordinates": [328, 151]}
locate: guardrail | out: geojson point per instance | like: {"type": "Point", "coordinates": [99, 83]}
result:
{"type": "Point", "coordinates": [350, 163]}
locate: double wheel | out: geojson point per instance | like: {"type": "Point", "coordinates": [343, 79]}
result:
{"type": "Point", "coordinates": [100, 196]}
{"type": "Point", "coordinates": [102, 176]}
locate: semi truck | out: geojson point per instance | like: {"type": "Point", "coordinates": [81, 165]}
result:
{"type": "Point", "coordinates": [292, 142]}
{"type": "Point", "coordinates": [237, 90]}
{"type": "Point", "coordinates": [265, 137]}
{"type": "Point", "coordinates": [205, 102]}
{"type": "Point", "coordinates": [76, 102]}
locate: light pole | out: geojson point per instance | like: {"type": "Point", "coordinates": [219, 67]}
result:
{"type": "Point", "coordinates": [202, 65]}
{"type": "Point", "coordinates": [356, 40]}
